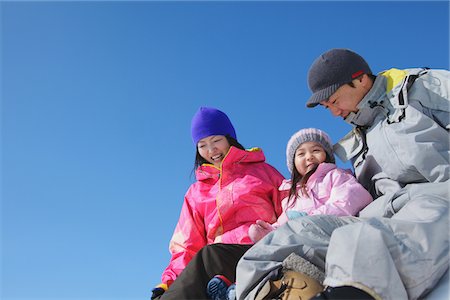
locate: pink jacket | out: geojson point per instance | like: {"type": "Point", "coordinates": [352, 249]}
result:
{"type": "Point", "coordinates": [331, 191]}
{"type": "Point", "coordinates": [222, 204]}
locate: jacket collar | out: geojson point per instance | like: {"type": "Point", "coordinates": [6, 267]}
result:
{"type": "Point", "coordinates": [384, 98]}
{"type": "Point", "coordinates": [234, 156]}
{"type": "Point", "coordinates": [378, 100]}
{"type": "Point", "coordinates": [320, 173]}
{"type": "Point", "coordinates": [371, 105]}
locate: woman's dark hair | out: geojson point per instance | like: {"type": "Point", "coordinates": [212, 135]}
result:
{"type": "Point", "coordinates": [297, 179]}
{"type": "Point", "coordinates": [199, 160]}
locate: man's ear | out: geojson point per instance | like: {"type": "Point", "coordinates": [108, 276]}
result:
{"type": "Point", "coordinates": [365, 80]}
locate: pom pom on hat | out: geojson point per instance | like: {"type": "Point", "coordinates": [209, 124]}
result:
{"type": "Point", "coordinates": [307, 135]}
{"type": "Point", "coordinates": [209, 121]}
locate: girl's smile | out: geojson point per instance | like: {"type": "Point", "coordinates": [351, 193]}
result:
{"type": "Point", "coordinates": [307, 156]}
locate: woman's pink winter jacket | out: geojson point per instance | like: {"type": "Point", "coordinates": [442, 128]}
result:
{"type": "Point", "coordinates": [331, 191]}
{"type": "Point", "coordinates": [222, 204]}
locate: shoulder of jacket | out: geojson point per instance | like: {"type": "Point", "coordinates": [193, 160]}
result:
{"type": "Point", "coordinates": [252, 155]}
{"type": "Point", "coordinates": [342, 173]}
{"type": "Point", "coordinates": [285, 185]}
{"type": "Point", "coordinates": [348, 146]}
{"type": "Point", "coordinates": [395, 77]}
{"type": "Point", "coordinates": [323, 170]}
{"type": "Point", "coordinates": [254, 149]}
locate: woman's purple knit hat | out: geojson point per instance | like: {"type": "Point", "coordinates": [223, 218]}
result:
{"type": "Point", "coordinates": [209, 121]}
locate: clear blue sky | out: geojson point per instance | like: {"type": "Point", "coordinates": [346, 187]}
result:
{"type": "Point", "coordinates": [97, 99]}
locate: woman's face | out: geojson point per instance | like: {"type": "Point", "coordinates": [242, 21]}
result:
{"type": "Point", "coordinates": [213, 149]}
{"type": "Point", "coordinates": [308, 155]}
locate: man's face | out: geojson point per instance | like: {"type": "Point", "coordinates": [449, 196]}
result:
{"type": "Point", "coordinates": [346, 98]}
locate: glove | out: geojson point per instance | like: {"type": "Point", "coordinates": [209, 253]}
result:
{"type": "Point", "coordinates": [158, 291]}
{"type": "Point", "coordinates": [258, 230]}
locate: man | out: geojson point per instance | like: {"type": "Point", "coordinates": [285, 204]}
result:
{"type": "Point", "coordinates": [398, 248]}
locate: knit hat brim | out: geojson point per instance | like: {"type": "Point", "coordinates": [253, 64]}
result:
{"type": "Point", "coordinates": [323, 95]}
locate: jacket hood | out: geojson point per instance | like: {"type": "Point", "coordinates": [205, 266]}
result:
{"type": "Point", "coordinates": [234, 156]}
{"type": "Point", "coordinates": [370, 106]}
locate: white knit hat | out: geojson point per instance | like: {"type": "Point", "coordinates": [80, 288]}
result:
{"type": "Point", "coordinates": [307, 135]}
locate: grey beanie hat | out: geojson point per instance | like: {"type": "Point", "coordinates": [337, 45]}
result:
{"type": "Point", "coordinates": [332, 70]}
{"type": "Point", "coordinates": [307, 135]}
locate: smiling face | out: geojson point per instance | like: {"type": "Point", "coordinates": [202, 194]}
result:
{"type": "Point", "coordinates": [213, 149]}
{"type": "Point", "coordinates": [307, 156]}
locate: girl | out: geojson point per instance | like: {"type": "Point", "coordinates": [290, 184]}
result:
{"type": "Point", "coordinates": [316, 186]}
{"type": "Point", "coordinates": [234, 188]}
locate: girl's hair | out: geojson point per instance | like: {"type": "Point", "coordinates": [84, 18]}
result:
{"type": "Point", "coordinates": [297, 179]}
{"type": "Point", "coordinates": [199, 160]}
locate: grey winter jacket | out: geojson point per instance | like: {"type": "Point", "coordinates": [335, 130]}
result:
{"type": "Point", "coordinates": [399, 246]}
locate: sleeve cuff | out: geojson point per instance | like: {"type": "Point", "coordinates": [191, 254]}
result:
{"type": "Point", "coordinates": [163, 286]}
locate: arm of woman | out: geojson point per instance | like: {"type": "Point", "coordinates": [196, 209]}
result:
{"type": "Point", "coordinates": [277, 179]}
{"type": "Point", "coordinates": [188, 238]}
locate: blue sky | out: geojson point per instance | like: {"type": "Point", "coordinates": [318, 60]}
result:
{"type": "Point", "coordinates": [96, 104]}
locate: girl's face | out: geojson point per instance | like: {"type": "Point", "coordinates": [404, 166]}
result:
{"type": "Point", "coordinates": [307, 156]}
{"type": "Point", "coordinates": [213, 149]}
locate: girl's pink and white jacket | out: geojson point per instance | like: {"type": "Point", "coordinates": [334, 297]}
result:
{"type": "Point", "coordinates": [331, 191]}
{"type": "Point", "coordinates": [222, 204]}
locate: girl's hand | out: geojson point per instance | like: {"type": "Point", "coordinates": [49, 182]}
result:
{"type": "Point", "coordinates": [258, 230]}
{"type": "Point", "coordinates": [264, 225]}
